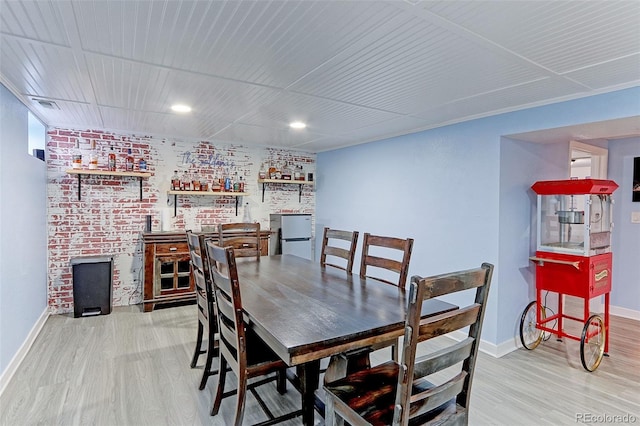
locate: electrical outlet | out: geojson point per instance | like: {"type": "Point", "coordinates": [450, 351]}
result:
{"type": "Point", "coordinates": [635, 217]}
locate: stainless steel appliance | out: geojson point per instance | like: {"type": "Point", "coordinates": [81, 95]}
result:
{"type": "Point", "coordinates": [292, 235]}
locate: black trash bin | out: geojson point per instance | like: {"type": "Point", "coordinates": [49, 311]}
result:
{"type": "Point", "coordinates": [92, 282]}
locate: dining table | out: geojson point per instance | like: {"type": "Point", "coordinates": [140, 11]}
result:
{"type": "Point", "coordinates": [306, 312]}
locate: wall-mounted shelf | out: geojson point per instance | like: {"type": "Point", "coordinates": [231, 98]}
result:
{"type": "Point", "coordinates": [87, 172]}
{"type": "Point", "coordinates": [286, 182]}
{"type": "Point", "coordinates": [205, 194]}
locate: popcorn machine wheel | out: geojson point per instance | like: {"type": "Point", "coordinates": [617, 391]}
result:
{"type": "Point", "coordinates": [573, 257]}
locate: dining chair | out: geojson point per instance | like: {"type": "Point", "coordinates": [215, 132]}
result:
{"type": "Point", "coordinates": [207, 323]}
{"type": "Point", "coordinates": [397, 252]}
{"type": "Point", "coordinates": [346, 251]}
{"type": "Point", "coordinates": [244, 237]}
{"type": "Point", "coordinates": [246, 354]}
{"type": "Point", "coordinates": [401, 393]}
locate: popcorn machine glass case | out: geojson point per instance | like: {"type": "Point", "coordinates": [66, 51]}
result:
{"type": "Point", "coordinates": [574, 258]}
{"type": "Point", "coordinates": [574, 216]}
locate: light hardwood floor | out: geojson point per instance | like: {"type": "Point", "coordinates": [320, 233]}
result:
{"type": "Point", "coordinates": [132, 368]}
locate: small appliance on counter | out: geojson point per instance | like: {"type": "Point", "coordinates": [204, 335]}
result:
{"type": "Point", "coordinates": [292, 235]}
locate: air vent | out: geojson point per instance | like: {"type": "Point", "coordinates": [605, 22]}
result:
{"type": "Point", "coordinates": [47, 104]}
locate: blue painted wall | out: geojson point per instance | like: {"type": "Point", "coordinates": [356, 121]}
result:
{"type": "Point", "coordinates": [23, 230]}
{"type": "Point", "coordinates": [462, 192]}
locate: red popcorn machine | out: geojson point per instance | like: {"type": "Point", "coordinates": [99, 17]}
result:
{"type": "Point", "coordinates": [573, 257]}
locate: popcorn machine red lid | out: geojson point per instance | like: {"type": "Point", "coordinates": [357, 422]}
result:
{"type": "Point", "coordinates": [574, 186]}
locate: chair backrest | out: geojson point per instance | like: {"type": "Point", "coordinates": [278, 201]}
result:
{"type": "Point", "coordinates": [243, 237]}
{"type": "Point", "coordinates": [347, 253]}
{"type": "Point", "coordinates": [411, 400]}
{"type": "Point", "coordinates": [200, 274]}
{"type": "Point", "coordinates": [226, 288]}
{"type": "Point", "coordinates": [401, 267]}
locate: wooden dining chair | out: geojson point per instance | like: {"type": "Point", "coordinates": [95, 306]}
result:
{"type": "Point", "coordinates": [243, 237]}
{"type": "Point", "coordinates": [241, 349]}
{"type": "Point", "coordinates": [397, 252]}
{"type": "Point", "coordinates": [346, 251]}
{"type": "Point", "coordinates": [207, 323]}
{"type": "Point", "coordinates": [401, 393]}
{"type": "Point", "coordinates": [384, 245]}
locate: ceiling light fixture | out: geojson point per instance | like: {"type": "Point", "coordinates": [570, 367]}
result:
{"type": "Point", "coordinates": [297, 125]}
{"type": "Point", "coordinates": [181, 108]}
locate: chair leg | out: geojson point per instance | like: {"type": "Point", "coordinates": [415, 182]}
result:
{"type": "Point", "coordinates": [281, 381]}
{"type": "Point", "coordinates": [211, 352]}
{"type": "Point", "coordinates": [240, 399]}
{"type": "Point", "coordinates": [197, 351]}
{"type": "Point", "coordinates": [222, 375]}
{"type": "Point", "coordinates": [330, 416]}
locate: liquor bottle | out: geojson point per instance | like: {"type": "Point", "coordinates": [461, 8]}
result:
{"type": "Point", "coordinates": [142, 165]}
{"type": "Point", "coordinates": [175, 181]}
{"type": "Point", "coordinates": [241, 185]}
{"type": "Point", "coordinates": [236, 183]}
{"type": "Point", "coordinates": [185, 182]}
{"type": "Point", "coordinates": [129, 161]}
{"type": "Point", "coordinates": [195, 180]}
{"type": "Point", "coordinates": [77, 157]}
{"type": "Point", "coordinates": [112, 160]}
{"type": "Point", "coordinates": [263, 172]}
{"type": "Point", "coordinates": [227, 184]}
{"type": "Point", "coordinates": [93, 156]}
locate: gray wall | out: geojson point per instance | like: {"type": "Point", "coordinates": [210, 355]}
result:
{"type": "Point", "coordinates": [23, 230]}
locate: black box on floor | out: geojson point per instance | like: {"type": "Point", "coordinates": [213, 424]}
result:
{"type": "Point", "coordinates": [92, 283]}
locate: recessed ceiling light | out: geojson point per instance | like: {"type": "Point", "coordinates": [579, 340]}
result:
{"type": "Point", "coordinates": [181, 108]}
{"type": "Point", "coordinates": [297, 125]}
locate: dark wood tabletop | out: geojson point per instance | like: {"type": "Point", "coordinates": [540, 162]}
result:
{"type": "Point", "coordinates": [306, 312]}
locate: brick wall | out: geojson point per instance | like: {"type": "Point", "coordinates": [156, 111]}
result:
{"type": "Point", "coordinates": [109, 218]}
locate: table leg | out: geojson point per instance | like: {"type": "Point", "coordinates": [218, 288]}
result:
{"type": "Point", "coordinates": [309, 375]}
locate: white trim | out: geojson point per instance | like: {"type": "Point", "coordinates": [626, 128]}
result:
{"type": "Point", "coordinates": [624, 312]}
{"type": "Point", "coordinates": [17, 359]}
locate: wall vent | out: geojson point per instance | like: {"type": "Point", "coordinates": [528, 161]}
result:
{"type": "Point", "coordinates": [46, 103]}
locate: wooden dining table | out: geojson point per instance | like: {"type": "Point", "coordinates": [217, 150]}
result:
{"type": "Point", "coordinates": [306, 312]}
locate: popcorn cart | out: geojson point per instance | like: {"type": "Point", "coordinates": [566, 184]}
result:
{"type": "Point", "coordinates": [573, 257]}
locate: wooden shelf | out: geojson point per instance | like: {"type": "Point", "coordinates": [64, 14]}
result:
{"type": "Point", "coordinates": [286, 182]}
{"type": "Point", "coordinates": [99, 172]}
{"type": "Point", "coordinates": [205, 194]}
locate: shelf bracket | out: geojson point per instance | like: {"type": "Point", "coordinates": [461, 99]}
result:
{"type": "Point", "coordinates": [237, 201]}
{"type": "Point", "coordinates": [79, 187]}
{"type": "Point", "coordinates": [175, 205]}
{"type": "Point", "coordinates": [140, 179]}
{"type": "Point", "coordinates": [263, 184]}
{"type": "Point", "coordinates": [299, 192]}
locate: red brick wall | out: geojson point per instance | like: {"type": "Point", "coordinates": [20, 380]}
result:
{"type": "Point", "coordinates": [109, 218]}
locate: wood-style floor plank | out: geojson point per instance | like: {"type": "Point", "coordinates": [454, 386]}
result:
{"type": "Point", "coordinates": [132, 368]}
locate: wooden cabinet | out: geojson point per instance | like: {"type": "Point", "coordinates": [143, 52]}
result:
{"type": "Point", "coordinates": [167, 275]}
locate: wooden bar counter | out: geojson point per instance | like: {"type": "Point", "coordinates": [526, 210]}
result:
{"type": "Point", "coordinates": [167, 277]}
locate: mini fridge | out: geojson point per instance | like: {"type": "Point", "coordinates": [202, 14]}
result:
{"type": "Point", "coordinates": [292, 235]}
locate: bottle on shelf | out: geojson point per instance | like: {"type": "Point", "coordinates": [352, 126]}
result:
{"type": "Point", "coordinates": [273, 171]}
{"type": "Point", "coordinates": [175, 181]}
{"type": "Point", "coordinates": [263, 172]}
{"type": "Point", "coordinates": [142, 165]}
{"type": "Point", "coordinates": [185, 182]}
{"type": "Point", "coordinates": [227, 183]}
{"type": "Point", "coordinates": [204, 184]}
{"type": "Point", "coordinates": [195, 181]}
{"type": "Point", "coordinates": [76, 161]}
{"type": "Point", "coordinates": [93, 156]}
{"type": "Point", "coordinates": [286, 171]}
{"type": "Point", "coordinates": [129, 161]}
{"type": "Point", "coordinates": [112, 160]}
{"type": "Point", "coordinates": [236, 183]}
{"type": "Point", "coordinates": [240, 185]}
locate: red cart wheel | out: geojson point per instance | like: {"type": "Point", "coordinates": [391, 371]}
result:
{"type": "Point", "coordinates": [592, 343]}
{"type": "Point", "coordinates": [530, 334]}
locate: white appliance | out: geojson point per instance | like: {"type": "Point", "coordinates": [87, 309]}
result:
{"type": "Point", "coordinates": [292, 235]}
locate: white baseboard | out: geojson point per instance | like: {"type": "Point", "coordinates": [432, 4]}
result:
{"type": "Point", "coordinates": [17, 359]}
{"type": "Point", "coordinates": [624, 312]}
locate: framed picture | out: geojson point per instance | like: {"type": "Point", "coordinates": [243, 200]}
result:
{"type": "Point", "coordinates": [636, 179]}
